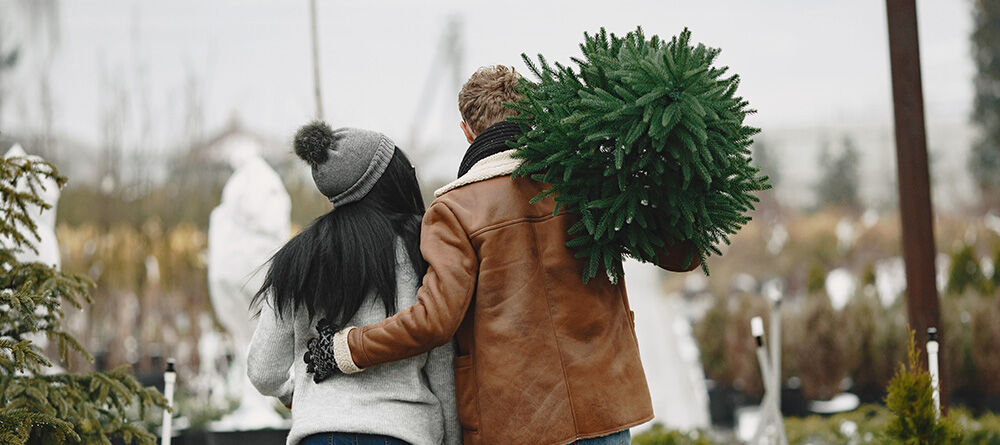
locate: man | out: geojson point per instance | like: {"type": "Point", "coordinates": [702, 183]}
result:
{"type": "Point", "coordinates": [542, 357]}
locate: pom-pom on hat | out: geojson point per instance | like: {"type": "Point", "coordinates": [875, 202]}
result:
{"type": "Point", "coordinates": [345, 162]}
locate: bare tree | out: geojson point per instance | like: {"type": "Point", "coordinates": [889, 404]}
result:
{"type": "Point", "coordinates": [42, 17]}
{"type": "Point", "coordinates": [38, 22]}
{"type": "Point", "coordinates": [193, 109]}
{"type": "Point", "coordinates": [9, 55]}
{"type": "Point", "coordinates": [113, 121]}
{"type": "Point", "coordinates": [315, 55]}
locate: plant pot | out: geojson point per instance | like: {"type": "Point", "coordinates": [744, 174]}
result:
{"type": "Point", "coordinates": [722, 402]}
{"type": "Point", "coordinates": [793, 402]}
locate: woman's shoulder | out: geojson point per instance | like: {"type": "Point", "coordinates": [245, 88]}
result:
{"type": "Point", "coordinates": [404, 267]}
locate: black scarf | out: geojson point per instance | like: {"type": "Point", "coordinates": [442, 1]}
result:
{"type": "Point", "coordinates": [490, 142]}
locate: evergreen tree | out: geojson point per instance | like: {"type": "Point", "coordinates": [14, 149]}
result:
{"type": "Point", "coordinates": [984, 160]}
{"type": "Point", "coordinates": [838, 183]}
{"type": "Point", "coordinates": [39, 406]}
{"type": "Point", "coordinates": [965, 272]}
{"type": "Point", "coordinates": [910, 398]}
{"type": "Point", "coordinates": [645, 140]}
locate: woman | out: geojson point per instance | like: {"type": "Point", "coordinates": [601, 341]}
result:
{"type": "Point", "coordinates": [353, 266]}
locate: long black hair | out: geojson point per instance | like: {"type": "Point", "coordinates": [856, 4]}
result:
{"type": "Point", "coordinates": [343, 256]}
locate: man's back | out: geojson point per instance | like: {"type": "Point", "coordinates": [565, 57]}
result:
{"type": "Point", "coordinates": [550, 358]}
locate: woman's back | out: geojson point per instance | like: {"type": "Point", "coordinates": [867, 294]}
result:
{"type": "Point", "coordinates": [412, 399]}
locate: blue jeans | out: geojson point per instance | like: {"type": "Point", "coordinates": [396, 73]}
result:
{"type": "Point", "coordinates": [619, 438]}
{"type": "Point", "coordinates": [350, 439]}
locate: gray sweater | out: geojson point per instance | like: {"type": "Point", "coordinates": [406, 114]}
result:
{"type": "Point", "coordinates": [412, 399]}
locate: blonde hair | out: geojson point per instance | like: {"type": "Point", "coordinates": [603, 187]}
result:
{"type": "Point", "coordinates": [482, 97]}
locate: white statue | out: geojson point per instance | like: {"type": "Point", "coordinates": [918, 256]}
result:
{"type": "Point", "coordinates": [46, 245]}
{"type": "Point", "coordinates": [250, 224]}
{"type": "Point", "coordinates": [45, 219]}
{"type": "Point", "coordinates": [669, 354]}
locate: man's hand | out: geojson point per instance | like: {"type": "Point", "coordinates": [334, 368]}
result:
{"type": "Point", "coordinates": [678, 256]}
{"type": "Point", "coordinates": [319, 358]}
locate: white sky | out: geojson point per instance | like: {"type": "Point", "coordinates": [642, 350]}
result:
{"type": "Point", "coordinates": [803, 63]}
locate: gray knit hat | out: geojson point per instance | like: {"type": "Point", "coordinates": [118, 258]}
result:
{"type": "Point", "coordinates": [345, 162]}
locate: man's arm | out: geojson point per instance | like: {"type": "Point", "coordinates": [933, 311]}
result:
{"type": "Point", "coordinates": [442, 300]}
{"type": "Point", "coordinates": [678, 257]}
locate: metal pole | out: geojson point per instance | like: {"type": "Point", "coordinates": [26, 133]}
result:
{"type": "Point", "coordinates": [771, 429]}
{"type": "Point", "coordinates": [914, 180]}
{"type": "Point", "coordinates": [775, 346]}
{"type": "Point", "coordinates": [763, 427]}
{"type": "Point", "coordinates": [169, 378]}
{"type": "Point", "coordinates": [932, 365]}
{"type": "Point", "coordinates": [315, 57]}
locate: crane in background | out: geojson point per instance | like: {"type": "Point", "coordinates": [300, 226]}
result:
{"type": "Point", "coordinates": [443, 79]}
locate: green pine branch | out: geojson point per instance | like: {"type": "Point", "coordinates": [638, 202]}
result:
{"type": "Point", "coordinates": [644, 139]}
{"type": "Point", "coordinates": [20, 181]}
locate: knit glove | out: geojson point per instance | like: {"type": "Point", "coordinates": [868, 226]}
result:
{"type": "Point", "coordinates": [319, 358]}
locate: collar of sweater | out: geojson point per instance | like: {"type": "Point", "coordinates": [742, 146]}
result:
{"type": "Point", "coordinates": [500, 164]}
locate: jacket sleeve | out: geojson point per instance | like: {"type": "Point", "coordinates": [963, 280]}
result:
{"type": "Point", "coordinates": [678, 257]}
{"type": "Point", "coordinates": [442, 300]}
{"type": "Point", "coordinates": [440, 373]}
{"type": "Point", "coordinates": [271, 355]}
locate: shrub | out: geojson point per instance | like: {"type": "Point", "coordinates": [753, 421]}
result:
{"type": "Point", "coordinates": [865, 425]}
{"type": "Point", "coordinates": [965, 272]}
{"type": "Point", "coordinates": [710, 333]}
{"type": "Point", "coordinates": [956, 344]}
{"type": "Point", "coordinates": [890, 342]}
{"type": "Point", "coordinates": [868, 423]}
{"type": "Point", "coordinates": [909, 396]}
{"type": "Point", "coordinates": [861, 426]}
{"type": "Point", "coordinates": [859, 322]}
{"type": "Point", "coordinates": [816, 280]}
{"type": "Point", "coordinates": [819, 361]}
{"type": "Point", "coordinates": [741, 347]}
{"type": "Point", "coordinates": [727, 349]}
{"type": "Point", "coordinates": [986, 346]}
{"type": "Point", "coordinates": [659, 435]}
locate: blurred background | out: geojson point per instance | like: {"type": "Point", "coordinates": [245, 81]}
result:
{"type": "Point", "coordinates": [134, 102]}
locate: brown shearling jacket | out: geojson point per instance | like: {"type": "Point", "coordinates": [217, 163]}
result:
{"type": "Point", "coordinates": [542, 357]}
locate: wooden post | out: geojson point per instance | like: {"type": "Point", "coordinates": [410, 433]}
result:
{"type": "Point", "coordinates": [914, 179]}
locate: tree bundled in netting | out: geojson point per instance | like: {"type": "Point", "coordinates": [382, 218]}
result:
{"type": "Point", "coordinates": [646, 140]}
{"type": "Point", "coordinates": [38, 406]}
